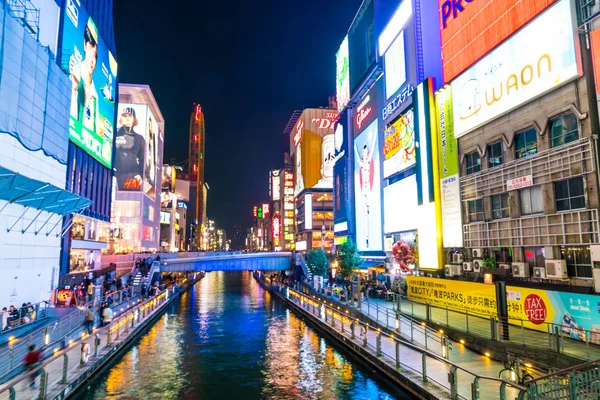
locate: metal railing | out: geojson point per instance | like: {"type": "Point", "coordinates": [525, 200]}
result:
{"type": "Point", "coordinates": [23, 316]}
{"type": "Point", "coordinates": [65, 364]}
{"type": "Point", "coordinates": [429, 367]}
{"type": "Point", "coordinates": [11, 356]}
{"type": "Point", "coordinates": [579, 382]}
{"type": "Point", "coordinates": [575, 342]}
{"type": "Point", "coordinates": [408, 328]}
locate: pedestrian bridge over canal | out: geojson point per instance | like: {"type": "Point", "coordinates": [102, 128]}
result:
{"type": "Point", "coordinates": [274, 261]}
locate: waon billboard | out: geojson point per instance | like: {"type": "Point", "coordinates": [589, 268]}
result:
{"type": "Point", "coordinates": [471, 29]}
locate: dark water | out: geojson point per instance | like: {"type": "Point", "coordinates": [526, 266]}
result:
{"type": "Point", "coordinates": [229, 339]}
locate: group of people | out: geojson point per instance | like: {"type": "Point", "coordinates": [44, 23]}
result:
{"type": "Point", "coordinates": [17, 316]}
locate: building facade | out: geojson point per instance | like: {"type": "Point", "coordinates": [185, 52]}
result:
{"type": "Point", "coordinates": [138, 171]}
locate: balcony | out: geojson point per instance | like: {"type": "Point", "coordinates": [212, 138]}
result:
{"type": "Point", "coordinates": [578, 227]}
{"type": "Point", "coordinates": [572, 159]}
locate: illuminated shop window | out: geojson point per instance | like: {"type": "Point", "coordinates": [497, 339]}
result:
{"type": "Point", "coordinates": [563, 130]}
{"type": "Point", "coordinates": [579, 262]}
{"type": "Point", "coordinates": [525, 143]}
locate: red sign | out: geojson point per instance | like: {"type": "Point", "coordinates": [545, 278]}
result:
{"type": "Point", "coordinates": [255, 211]}
{"type": "Point", "coordinates": [276, 226]}
{"type": "Point", "coordinates": [298, 134]}
{"type": "Point", "coordinates": [471, 29]}
{"type": "Point", "coordinates": [535, 309]}
{"type": "Point", "coordinates": [265, 209]}
{"type": "Point", "coordinates": [362, 115]}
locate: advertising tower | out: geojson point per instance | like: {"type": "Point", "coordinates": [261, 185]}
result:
{"type": "Point", "coordinates": [196, 163]}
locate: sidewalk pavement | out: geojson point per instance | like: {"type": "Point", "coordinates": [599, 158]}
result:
{"type": "Point", "coordinates": [120, 330]}
{"type": "Point", "coordinates": [481, 327]}
{"type": "Point", "coordinates": [437, 371]}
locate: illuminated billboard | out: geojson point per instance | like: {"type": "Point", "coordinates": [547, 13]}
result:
{"type": "Point", "coordinates": [131, 146]}
{"type": "Point", "coordinates": [275, 185]}
{"type": "Point", "coordinates": [395, 66]}
{"type": "Point", "coordinates": [400, 206]}
{"type": "Point", "coordinates": [367, 187]}
{"type": "Point", "coordinates": [93, 73]}
{"type": "Point", "coordinates": [342, 75]}
{"type": "Point", "coordinates": [448, 171]}
{"type": "Point", "coordinates": [151, 157]}
{"type": "Point", "coordinates": [532, 62]}
{"type": "Point", "coordinates": [340, 180]}
{"type": "Point", "coordinates": [399, 145]}
{"type": "Point", "coordinates": [469, 30]}
{"type": "Point", "coordinates": [314, 149]}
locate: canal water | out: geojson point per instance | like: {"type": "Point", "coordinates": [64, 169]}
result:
{"type": "Point", "coordinates": [227, 338]}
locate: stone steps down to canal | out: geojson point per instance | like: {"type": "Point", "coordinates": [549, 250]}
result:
{"type": "Point", "coordinates": [60, 374]}
{"type": "Point", "coordinates": [424, 368]}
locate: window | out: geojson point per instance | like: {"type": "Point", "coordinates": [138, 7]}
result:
{"type": "Point", "coordinates": [532, 201]}
{"type": "Point", "coordinates": [579, 263]}
{"type": "Point", "coordinates": [475, 209]}
{"type": "Point", "coordinates": [500, 206]}
{"type": "Point", "coordinates": [525, 143]}
{"type": "Point", "coordinates": [495, 154]}
{"type": "Point", "coordinates": [570, 194]}
{"type": "Point", "coordinates": [563, 130]}
{"type": "Point", "coordinates": [473, 162]}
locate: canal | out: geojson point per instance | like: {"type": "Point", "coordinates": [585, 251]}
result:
{"type": "Point", "coordinates": [227, 338]}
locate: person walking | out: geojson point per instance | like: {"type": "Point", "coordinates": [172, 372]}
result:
{"type": "Point", "coordinates": [107, 316]}
{"type": "Point", "coordinates": [32, 361]}
{"type": "Point", "coordinates": [89, 320]}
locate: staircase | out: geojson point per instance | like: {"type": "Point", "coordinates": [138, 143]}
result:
{"type": "Point", "coordinates": [580, 382]}
{"type": "Point", "coordinates": [137, 279]}
{"type": "Point", "coordinates": [307, 269]}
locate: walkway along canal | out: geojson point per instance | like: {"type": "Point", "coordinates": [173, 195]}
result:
{"type": "Point", "coordinates": [69, 368]}
{"type": "Point", "coordinates": [424, 373]}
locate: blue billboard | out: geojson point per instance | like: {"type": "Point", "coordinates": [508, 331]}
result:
{"type": "Point", "coordinates": [93, 74]}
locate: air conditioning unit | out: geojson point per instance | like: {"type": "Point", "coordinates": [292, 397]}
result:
{"type": "Point", "coordinates": [477, 253]}
{"type": "Point", "coordinates": [556, 269]}
{"type": "Point", "coordinates": [467, 266]}
{"type": "Point", "coordinates": [453, 270]}
{"type": "Point", "coordinates": [504, 266]}
{"type": "Point", "coordinates": [456, 258]}
{"type": "Point", "coordinates": [477, 264]}
{"type": "Point", "coordinates": [539, 272]}
{"type": "Point", "coordinates": [520, 269]}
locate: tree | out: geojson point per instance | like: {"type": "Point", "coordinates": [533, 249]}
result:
{"type": "Point", "coordinates": [317, 259]}
{"type": "Point", "coordinates": [348, 259]}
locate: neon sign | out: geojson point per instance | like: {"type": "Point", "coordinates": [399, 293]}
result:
{"type": "Point", "coordinates": [400, 99]}
{"type": "Point", "coordinates": [362, 115]}
{"type": "Point", "coordinates": [265, 209]}
{"type": "Point", "coordinates": [276, 227]}
{"type": "Point", "coordinates": [255, 211]}
{"type": "Point", "coordinates": [299, 130]}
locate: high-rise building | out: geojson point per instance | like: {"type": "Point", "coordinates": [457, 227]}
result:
{"type": "Point", "coordinates": [196, 162]}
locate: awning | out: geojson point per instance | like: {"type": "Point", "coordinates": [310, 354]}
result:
{"type": "Point", "coordinates": [370, 264]}
{"type": "Point", "coordinates": [18, 189]}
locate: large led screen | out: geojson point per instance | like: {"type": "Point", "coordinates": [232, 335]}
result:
{"type": "Point", "coordinates": [131, 146]}
{"type": "Point", "coordinates": [538, 58]}
{"type": "Point", "coordinates": [367, 190]}
{"type": "Point", "coordinates": [93, 73]}
{"type": "Point", "coordinates": [399, 145]}
{"type": "Point", "coordinates": [400, 205]}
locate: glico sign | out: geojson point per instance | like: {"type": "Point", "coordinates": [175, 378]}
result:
{"type": "Point", "coordinates": [366, 111]}
{"type": "Point", "coordinates": [472, 28]}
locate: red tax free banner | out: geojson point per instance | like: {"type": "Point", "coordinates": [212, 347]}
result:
{"type": "Point", "coordinates": [472, 28]}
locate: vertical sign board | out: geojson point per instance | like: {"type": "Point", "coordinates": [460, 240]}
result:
{"type": "Point", "coordinates": [448, 169]}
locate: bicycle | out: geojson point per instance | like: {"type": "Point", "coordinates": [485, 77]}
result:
{"type": "Point", "coordinates": [513, 372]}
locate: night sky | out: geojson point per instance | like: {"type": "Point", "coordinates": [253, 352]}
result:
{"type": "Point", "coordinates": [249, 63]}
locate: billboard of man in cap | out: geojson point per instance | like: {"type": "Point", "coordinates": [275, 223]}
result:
{"type": "Point", "coordinates": [131, 148]}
